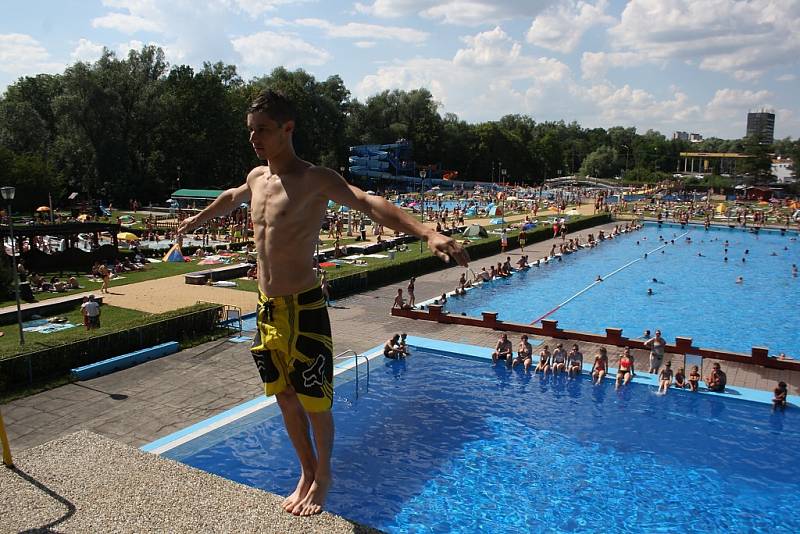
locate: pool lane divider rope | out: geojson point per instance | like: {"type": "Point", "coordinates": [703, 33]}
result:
{"type": "Point", "coordinates": [590, 286]}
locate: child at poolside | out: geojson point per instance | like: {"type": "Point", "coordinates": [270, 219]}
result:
{"type": "Point", "coordinates": [680, 379]}
{"type": "Point", "coordinates": [665, 378]}
{"type": "Point", "coordinates": [694, 378]}
{"type": "Point", "coordinates": [779, 398]}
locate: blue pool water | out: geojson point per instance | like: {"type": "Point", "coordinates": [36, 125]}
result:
{"type": "Point", "coordinates": [445, 444]}
{"type": "Point", "coordinates": [695, 296]}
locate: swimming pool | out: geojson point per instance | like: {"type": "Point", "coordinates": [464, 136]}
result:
{"type": "Point", "coordinates": [439, 443]}
{"type": "Point", "coordinates": [696, 294]}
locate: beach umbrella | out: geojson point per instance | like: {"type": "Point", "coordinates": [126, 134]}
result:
{"type": "Point", "coordinates": [42, 208]}
{"type": "Point", "coordinates": [528, 226]}
{"type": "Point", "coordinates": [331, 204]}
{"type": "Point", "coordinates": [127, 236]}
{"type": "Point", "coordinates": [343, 209]}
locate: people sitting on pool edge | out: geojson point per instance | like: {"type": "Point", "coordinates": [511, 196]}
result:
{"type": "Point", "coordinates": [779, 397]}
{"type": "Point", "coordinates": [680, 379]}
{"type": "Point", "coordinates": [399, 301]}
{"type": "Point", "coordinates": [717, 379]}
{"type": "Point", "coordinates": [393, 349]}
{"type": "Point", "coordinates": [524, 354]}
{"type": "Point", "coordinates": [600, 366]}
{"type": "Point", "coordinates": [559, 359]}
{"type": "Point", "coordinates": [574, 361]}
{"type": "Point", "coordinates": [625, 369]}
{"type": "Point", "coordinates": [544, 361]}
{"type": "Point", "coordinates": [502, 350]}
{"type": "Point", "coordinates": [694, 378]}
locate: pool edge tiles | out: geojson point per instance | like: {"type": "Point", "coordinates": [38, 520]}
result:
{"type": "Point", "coordinates": [238, 412]}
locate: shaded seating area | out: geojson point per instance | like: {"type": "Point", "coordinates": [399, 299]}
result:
{"type": "Point", "coordinates": [69, 257]}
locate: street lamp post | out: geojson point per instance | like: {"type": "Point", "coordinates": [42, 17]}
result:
{"type": "Point", "coordinates": [179, 176]}
{"type": "Point", "coordinates": [422, 174]}
{"type": "Point", "coordinates": [8, 196]}
{"type": "Point", "coordinates": [503, 173]}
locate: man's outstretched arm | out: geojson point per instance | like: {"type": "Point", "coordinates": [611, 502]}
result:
{"type": "Point", "coordinates": [387, 214]}
{"type": "Point", "coordinates": [224, 204]}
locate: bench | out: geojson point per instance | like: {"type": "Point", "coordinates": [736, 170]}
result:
{"type": "Point", "coordinates": [225, 273]}
{"type": "Point", "coordinates": [124, 361]}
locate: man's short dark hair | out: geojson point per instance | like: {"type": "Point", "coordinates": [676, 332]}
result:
{"type": "Point", "coordinates": [274, 104]}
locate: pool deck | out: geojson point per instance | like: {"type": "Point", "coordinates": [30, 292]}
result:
{"type": "Point", "coordinates": [60, 463]}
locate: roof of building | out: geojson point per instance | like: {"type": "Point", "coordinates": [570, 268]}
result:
{"type": "Point", "coordinates": [197, 193]}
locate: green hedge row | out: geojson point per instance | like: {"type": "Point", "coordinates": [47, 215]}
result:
{"type": "Point", "coordinates": [402, 270]}
{"type": "Point", "coordinates": [52, 362]}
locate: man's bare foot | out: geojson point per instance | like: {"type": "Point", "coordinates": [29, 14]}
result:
{"type": "Point", "coordinates": [303, 485]}
{"type": "Point", "coordinates": [315, 498]}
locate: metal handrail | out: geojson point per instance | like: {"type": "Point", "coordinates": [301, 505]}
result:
{"type": "Point", "coordinates": [6, 447]}
{"type": "Point", "coordinates": [355, 355]}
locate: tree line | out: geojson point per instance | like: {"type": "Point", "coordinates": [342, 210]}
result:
{"type": "Point", "coordinates": [138, 128]}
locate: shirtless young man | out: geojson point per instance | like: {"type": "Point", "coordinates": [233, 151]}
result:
{"type": "Point", "coordinates": [293, 348]}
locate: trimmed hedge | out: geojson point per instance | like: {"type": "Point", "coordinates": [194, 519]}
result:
{"type": "Point", "coordinates": [23, 370]}
{"type": "Point", "coordinates": [398, 271]}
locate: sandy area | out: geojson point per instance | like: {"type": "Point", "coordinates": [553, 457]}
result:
{"type": "Point", "coordinates": [165, 294]}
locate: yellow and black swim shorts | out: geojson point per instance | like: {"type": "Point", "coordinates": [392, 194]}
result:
{"type": "Point", "coordinates": [293, 347]}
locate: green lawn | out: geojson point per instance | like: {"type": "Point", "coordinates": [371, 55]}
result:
{"type": "Point", "coordinates": [112, 319]}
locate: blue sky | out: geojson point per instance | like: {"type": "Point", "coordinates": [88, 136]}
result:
{"type": "Point", "coordinates": [692, 65]}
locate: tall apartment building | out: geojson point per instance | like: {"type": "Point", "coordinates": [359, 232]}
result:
{"type": "Point", "coordinates": [686, 136]}
{"type": "Point", "coordinates": [762, 125]}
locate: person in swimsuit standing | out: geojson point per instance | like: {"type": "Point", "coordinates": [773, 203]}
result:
{"type": "Point", "coordinates": [292, 348]}
{"type": "Point", "coordinates": [625, 368]}
{"type": "Point", "coordinates": [657, 344]}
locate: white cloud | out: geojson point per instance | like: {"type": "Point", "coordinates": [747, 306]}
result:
{"type": "Point", "coordinates": [254, 8]}
{"type": "Point", "coordinates": [354, 30]}
{"type": "Point", "coordinates": [732, 103]}
{"type": "Point", "coordinates": [743, 39]}
{"type": "Point", "coordinates": [266, 50]}
{"type": "Point", "coordinates": [594, 65]}
{"type": "Point", "coordinates": [365, 44]}
{"type": "Point", "coordinates": [786, 78]}
{"type": "Point", "coordinates": [561, 27]}
{"type": "Point", "coordinates": [129, 24]}
{"type": "Point", "coordinates": [487, 78]}
{"type": "Point", "coordinates": [629, 105]}
{"type": "Point", "coordinates": [277, 22]}
{"type": "Point", "coordinates": [86, 51]}
{"type": "Point", "coordinates": [22, 55]}
{"type": "Point", "coordinates": [457, 12]}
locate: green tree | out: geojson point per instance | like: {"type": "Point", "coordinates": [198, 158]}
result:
{"type": "Point", "coordinates": [600, 164]}
{"type": "Point", "coordinates": [758, 167]}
